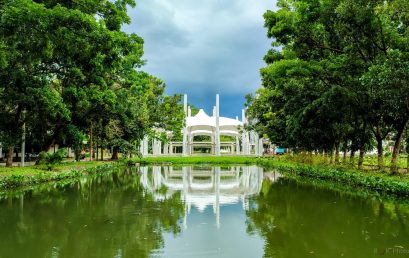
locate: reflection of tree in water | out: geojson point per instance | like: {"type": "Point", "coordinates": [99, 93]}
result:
{"type": "Point", "coordinates": [298, 220]}
{"type": "Point", "coordinates": [107, 216]}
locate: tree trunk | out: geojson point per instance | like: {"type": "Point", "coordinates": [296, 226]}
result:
{"type": "Point", "coordinates": [337, 153]}
{"type": "Point", "coordinates": [407, 164]}
{"type": "Point", "coordinates": [362, 143]}
{"type": "Point", "coordinates": [361, 157]}
{"type": "Point", "coordinates": [352, 157]}
{"type": "Point", "coordinates": [90, 145]}
{"type": "Point", "coordinates": [102, 154]}
{"type": "Point", "coordinates": [379, 147]}
{"type": "Point", "coordinates": [344, 154]}
{"type": "Point", "coordinates": [396, 149]}
{"type": "Point", "coordinates": [10, 154]}
{"type": "Point", "coordinates": [77, 154]}
{"type": "Point", "coordinates": [115, 153]}
{"type": "Point", "coordinates": [407, 152]}
{"type": "Point", "coordinates": [331, 157]}
{"type": "Point", "coordinates": [96, 153]}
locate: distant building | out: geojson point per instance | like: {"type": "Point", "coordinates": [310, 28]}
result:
{"type": "Point", "coordinates": [244, 143]}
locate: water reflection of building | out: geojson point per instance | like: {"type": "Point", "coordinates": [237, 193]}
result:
{"type": "Point", "coordinates": [204, 186]}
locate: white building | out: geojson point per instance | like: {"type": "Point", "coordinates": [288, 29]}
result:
{"type": "Point", "coordinates": [214, 126]}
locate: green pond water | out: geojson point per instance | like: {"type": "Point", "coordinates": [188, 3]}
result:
{"type": "Point", "coordinates": [199, 211]}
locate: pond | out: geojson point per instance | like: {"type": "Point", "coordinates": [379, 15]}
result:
{"type": "Point", "coordinates": [199, 211]}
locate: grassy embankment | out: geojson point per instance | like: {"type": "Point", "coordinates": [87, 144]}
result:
{"type": "Point", "coordinates": [374, 180]}
{"type": "Point", "coordinates": [25, 176]}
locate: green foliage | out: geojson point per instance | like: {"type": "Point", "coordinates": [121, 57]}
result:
{"type": "Point", "coordinates": [339, 77]}
{"type": "Point", "coordinates": [69, 73]}
{"type": "Point", "coordinates": [20, 180]}
{"type": "Point", "coordinates": [51, 159]}
{"type": "Point", "coordinates": [378, 183]}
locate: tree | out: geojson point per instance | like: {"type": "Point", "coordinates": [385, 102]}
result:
{"type": "Point", "coordinates": [320, 87]}
{"type": "Point", "coordinates": [69, 73]}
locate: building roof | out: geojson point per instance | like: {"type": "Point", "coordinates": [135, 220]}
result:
{"type": "Point", "coordinates": [204, 124]}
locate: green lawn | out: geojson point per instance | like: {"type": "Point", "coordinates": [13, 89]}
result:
{"type": "Point", "coordinates": [11, 178]}
{"type": "Point", "coordinates": [34, 170]}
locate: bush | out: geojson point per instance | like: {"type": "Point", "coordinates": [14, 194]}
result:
{"type": "Point", "coordinates": [49, 160]}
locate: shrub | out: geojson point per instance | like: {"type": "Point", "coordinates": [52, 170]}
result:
{"type": "Point", "coordinates": [49, 160]}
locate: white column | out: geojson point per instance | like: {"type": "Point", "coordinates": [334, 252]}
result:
{"type": "Point", "coordinates": [237, 145]}
{"type": "Point", "coordinates": [184, 152]}
{"type": "Point", "coordinates": [213, 142]}
{"type": "Point", "coordinates": [257, 144]}
{"type": "Point", "coordinates": [248, 147]}
{"type": "Point", "coordinates": [244, 143]}
{"type": "Point", "coordinates": [260, 147]}
{"type": "Point", "coordinates": [217, 126]}
{"type": "Point", "coordinates": [166, 149]}
{"type": "Point", "coordinates": [170, 148]}
{"type": "Point", "coordinates": [243, 136]}
{"type": "Point", "coordinates": [154, 148]}
{"type": "Point", "coordinates": [190, 144]}
{"type": "Point", "coordinates": [157, 146]}
{"type": "Point", "coordinates": [145, 145]}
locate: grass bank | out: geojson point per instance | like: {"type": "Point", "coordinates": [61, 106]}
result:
{"type": "Point", "coordinates": [11, 178]}
{"type": "Point", "coordinates": [372, 180]}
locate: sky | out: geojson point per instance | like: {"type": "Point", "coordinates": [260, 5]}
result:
{"type": "Point", "coordinates": [204, 47]}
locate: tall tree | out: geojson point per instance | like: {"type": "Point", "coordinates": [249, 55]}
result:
{"type": "Point", "coordinates": [350, 43]}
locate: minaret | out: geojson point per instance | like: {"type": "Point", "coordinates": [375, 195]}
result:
{"type": "Point", "coordinates": [217, 140]}
{"type": "Point", "coordinates": [185, 136]}
{"type": "Point", "coordinates": [245, 137]}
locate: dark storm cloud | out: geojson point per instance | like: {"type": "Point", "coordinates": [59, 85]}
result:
{"type": "Point", "coordinates": [204, 47]}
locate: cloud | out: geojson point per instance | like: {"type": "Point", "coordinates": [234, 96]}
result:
{"type": "Point", "coordinates": [203, 47]}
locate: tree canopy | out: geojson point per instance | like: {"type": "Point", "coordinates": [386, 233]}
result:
{"type": "Point", "coordinates": [69, 73]}
{"type": "Point", "coordinates": [336, 76]}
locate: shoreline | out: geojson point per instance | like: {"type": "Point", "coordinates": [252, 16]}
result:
{"type": "Point", "coordinates": [32, 176]}
{"type": "Point", "coordinates": [377, 182]}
